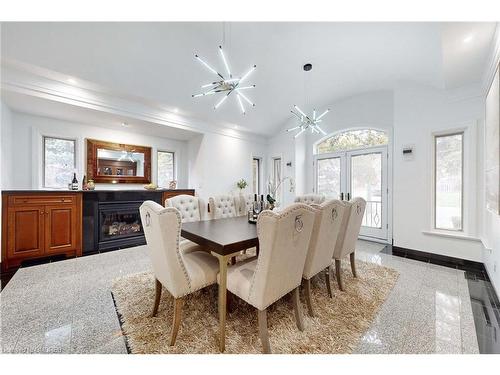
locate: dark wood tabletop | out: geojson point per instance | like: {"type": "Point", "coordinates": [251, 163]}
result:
{"type": "Point", "coordinates": [222, 236]}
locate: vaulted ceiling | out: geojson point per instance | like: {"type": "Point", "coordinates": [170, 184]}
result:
{"type": "Point", "coordinates": [155, 61]}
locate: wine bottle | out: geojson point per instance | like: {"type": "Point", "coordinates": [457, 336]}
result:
{"type": "Point", "coordinates": [74, 183]}
{"type": "Point", "coordinates": [84, 183]}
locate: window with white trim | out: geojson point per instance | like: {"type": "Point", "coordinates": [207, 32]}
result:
{"type": "Point", "coordinates": [276, 179]}
{"type": "Point", "coordinates": [59, 162]}
{"type": "Point", "coordinates": [165, 168]}
{"type": "Point", "coordinates": [256, 173]}
{"type": "Point", "coordinates": [448, 181]}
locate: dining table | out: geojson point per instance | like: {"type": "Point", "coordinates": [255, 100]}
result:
{"type": "Point", "coordinates": [225, 238]}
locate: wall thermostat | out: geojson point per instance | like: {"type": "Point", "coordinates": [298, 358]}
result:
{"type": "Point", "coordinates": [408, 152]}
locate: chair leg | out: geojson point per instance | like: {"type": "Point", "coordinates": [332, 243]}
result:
{"type": "Point", "coordinates": [297, 308]}
{"type": "Point", "coordinates": [327, 280]}
{"type": "Point", "coordinates": [233, 261]}
{"type": "Point", "coordinates": [338, 272]}
{"type": "Point", "coordinates": [307, 287]}
{"type": "Point", "coordinates": [263, 332]}
{"type": "Point", "coordinates": [178, 302]}
{"type": "Point", "coordinates": [157, 297]}
{"type": "Point", "coordinates": [353, 265]}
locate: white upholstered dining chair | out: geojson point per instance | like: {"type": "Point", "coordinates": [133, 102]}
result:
{"type": "Point", "coordinates": [283, 240]}
{"type": "Point", "coordinates": [346, 244]}
{"type": "Point", "coordinates": [222, 206]}
{"type": "Point", "coordinates": [327, 225]}
{"type": "Point", "coordinates": [181, 273]}
{"type": "Point", "coordinates": [310, 198]}
{"type": "Point", "coordinates": [191, 208]}
{"type": "Point", "coordinates": [245, 203]}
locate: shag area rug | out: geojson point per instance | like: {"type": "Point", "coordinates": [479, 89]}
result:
{"type": "Point", "coordinates": [337, 328]}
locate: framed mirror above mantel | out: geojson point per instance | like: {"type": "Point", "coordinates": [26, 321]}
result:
{"type": "Point", "coordinates": [109, 162]}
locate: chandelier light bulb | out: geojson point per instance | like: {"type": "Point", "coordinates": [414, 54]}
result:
{"type": "Point", "coordinates": [246, 99]}
{"type": "Point", "coordinates": [221, 101]}
{"type": "Point", "coordinates": [248, 73]}
{"type": "Point", "coordinates": [241, 104]}
{"type": "Point", "coordinates": [225, 61]}
{"type": "Point", "coordinates": [324, 113]}
{"type": "Point", "coordinates": [299, 133]}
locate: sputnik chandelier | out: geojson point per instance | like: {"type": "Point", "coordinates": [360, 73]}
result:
{"type": "Point", "coordinates": [307, 122]}
{"type": "Point", "coordinates": [226, 85]}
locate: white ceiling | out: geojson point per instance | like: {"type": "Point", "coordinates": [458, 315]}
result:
{"type": "Point", "coordinates": [155, 61]}
{"type": "Point", "coordinates": [466, 46]}
{"type": "Point", "coordinates": [74, 114]}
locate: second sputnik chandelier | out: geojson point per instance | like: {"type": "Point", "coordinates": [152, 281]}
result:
{"type": "Point", "coordinates": [307, 122]}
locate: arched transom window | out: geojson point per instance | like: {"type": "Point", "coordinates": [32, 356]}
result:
{"type": "Point", "coordinates": [352, 139]}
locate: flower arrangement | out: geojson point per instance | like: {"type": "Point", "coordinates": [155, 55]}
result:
{"type": "Point", "coordinates": [242, 184]}
{"type": "Point", "coordinates": [272, 189]}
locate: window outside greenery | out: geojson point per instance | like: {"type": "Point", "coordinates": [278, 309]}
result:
{"type": "Point", "coordinates": [449, 182]}
{"type": "Point", "coordinates": [352, 139]}
{"type": "Point", "coordinates": [165, 168]}
{"type": "Point", "coordinates": [58, 162]}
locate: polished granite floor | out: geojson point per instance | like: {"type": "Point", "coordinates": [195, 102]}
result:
{"type": "Point", "coordinates": [66, 306]}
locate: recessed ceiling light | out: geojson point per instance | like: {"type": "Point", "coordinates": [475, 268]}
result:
{"type": "Point", "coordinates": [125, 125]}
{"type": "Point", "coordinates": [176, 110]}
{"type": "Point", "coordinates": [71, 80]}
{"type": "Point", "coordinates": [236, 126]}
{"type": "Point", "coordinates": [468, 38]}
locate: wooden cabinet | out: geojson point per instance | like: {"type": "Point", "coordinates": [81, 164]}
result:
{"type": "Point", "coordinates": [38, 225]}
{"type": "Point", "coordinates": [25, 231]}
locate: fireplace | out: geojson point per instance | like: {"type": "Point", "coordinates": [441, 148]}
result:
{"type": "Point", "coordinates": [119, 223]}
{"type": "Point", "coordinates": [111, 219]}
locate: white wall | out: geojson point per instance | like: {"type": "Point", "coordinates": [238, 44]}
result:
{"type": "Point", "coordinates": [217, 162]}
{"type": "Point", "coordinates": [490, 228]}
{"type": "Point", "coordinates": [6, 147]}
{"type": "Point", "coordinates": [26, 139]}
{"type": "Point", "coordinates": [418, 113]}
{"type": "Point", "coordinates": [5, 151]}
{"type": "Point", "coordinates": [284, 146]}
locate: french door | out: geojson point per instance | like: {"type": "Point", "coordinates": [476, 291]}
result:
{"type": "Point", "coordinates": [357, 173]}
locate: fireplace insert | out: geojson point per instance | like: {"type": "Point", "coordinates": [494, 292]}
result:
{"type": "Point", "coordinates": [119, 225]}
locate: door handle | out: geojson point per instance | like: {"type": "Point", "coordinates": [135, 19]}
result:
{"type": "Point", "coordinates": [341, 196]}
{"type": "Point", "coordinates": [348, 196]}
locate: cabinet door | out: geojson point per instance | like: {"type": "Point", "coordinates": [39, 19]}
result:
{"type": "Point", "coordinates": [25, 231]}
{"type": "Point", "coordinates": [61, 225]}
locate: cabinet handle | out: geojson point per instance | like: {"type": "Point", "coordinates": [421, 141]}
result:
{"type": "Point", "coordinates": [41, 212]}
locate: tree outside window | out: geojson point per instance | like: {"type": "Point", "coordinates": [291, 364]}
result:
{"type": "Point", "coordinates": [166, 171]}
{"type": "Point", "coordinates": [58, 162]}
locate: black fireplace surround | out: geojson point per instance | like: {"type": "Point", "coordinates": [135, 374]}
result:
{"type": "Point", "coordinates": [111, 219]}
